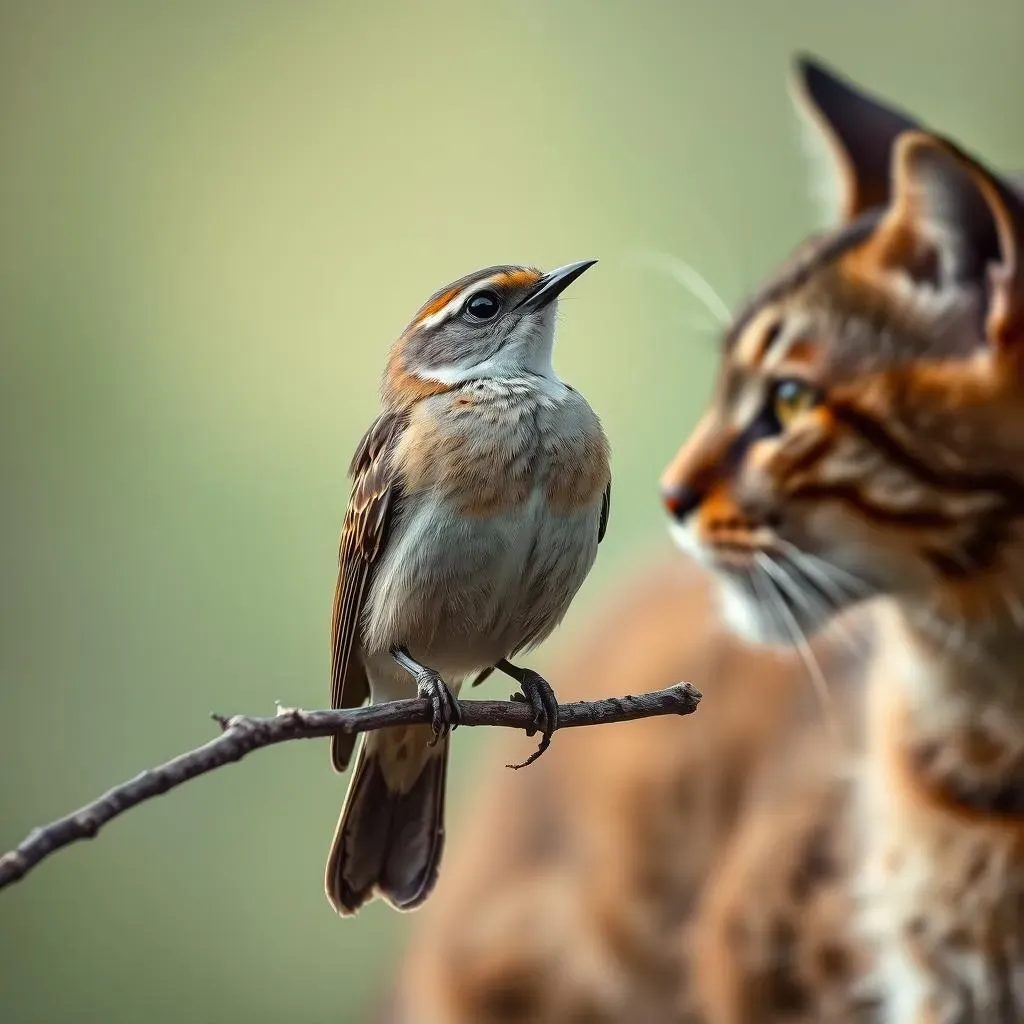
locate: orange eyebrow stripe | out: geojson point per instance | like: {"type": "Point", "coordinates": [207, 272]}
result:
{"type": "Point", "coordinates": [516, 278]}
{"type": "Point", "coordinates": [439, 303]}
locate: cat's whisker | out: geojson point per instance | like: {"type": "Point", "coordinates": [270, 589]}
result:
{"type": "Point", "coordinates": [799, 583]}
{"type": "Point", "coordinates": [844, 586]}
{"type": "Point", "coordinates": [854, 586]}
{"type": "Point", "coordinates": [686, 275]}
{"type": "Point", "coordinates": [825, 593]}
{"type": "Point", "coordinates": [783, 581]}
{"type": "Point", "coordinates": [828, 586]}
{"type": "Point", "coordinates": [799, 638]}
{"type": "Point", "coordinates": [766, 597]}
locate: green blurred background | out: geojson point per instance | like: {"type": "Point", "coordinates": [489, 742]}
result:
{"type": "Point", "coordinates": [214, 217]}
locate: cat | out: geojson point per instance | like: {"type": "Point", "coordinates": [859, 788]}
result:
{"type": "Point", "coordinates": [858, 478]}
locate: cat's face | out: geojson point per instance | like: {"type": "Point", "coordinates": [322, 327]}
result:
{"type": "Point", "coordinates": [866, 435]}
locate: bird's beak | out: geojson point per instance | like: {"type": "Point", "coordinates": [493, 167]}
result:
{"type": "Point", "coordinates": [552, 284]}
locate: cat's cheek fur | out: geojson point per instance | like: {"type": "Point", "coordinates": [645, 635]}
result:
{"type": "Point", "coordinates": [866, 561]}
{"type": "Point", "coordinates": [739, 612]}
{"type": "Point", "coordinates": [747, 619]}
{"type": "Point", "coordinates": [684, 536]}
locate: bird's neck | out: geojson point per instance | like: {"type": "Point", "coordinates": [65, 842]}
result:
{"type": "Point", "coordinates": [402, 387]}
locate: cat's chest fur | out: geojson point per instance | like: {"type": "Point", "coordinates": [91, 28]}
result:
{"type": "Point", "coordinates": [941, 881]}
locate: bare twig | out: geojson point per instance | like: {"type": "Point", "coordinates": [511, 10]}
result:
{"type": "Point", "coordinates": [242, 734]}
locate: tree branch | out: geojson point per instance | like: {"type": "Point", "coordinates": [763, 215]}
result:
{"type": "Point", "coordinates": [242, 734]}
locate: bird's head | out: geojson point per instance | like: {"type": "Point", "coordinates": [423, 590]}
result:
{"type": "Point", "coordinates": [495, 323]}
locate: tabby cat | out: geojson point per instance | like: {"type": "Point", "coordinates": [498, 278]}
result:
{"type": "Point", "coordinates": [859, 476]}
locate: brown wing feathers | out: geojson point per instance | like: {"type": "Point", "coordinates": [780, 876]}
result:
{"type": "Point", "coordinates": [606, 508]}
{"type": "Point", "coordinates": [363, 534]}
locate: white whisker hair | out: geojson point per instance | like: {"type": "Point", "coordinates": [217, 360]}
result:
{"type": "Point", "coordinates": [773, 588]}
{"type": "Point", "coordinates": [690, 278]}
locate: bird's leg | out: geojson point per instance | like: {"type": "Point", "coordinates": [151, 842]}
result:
{"type": "Point", "coordinates": [538, 694]}
{"type": "Point", "coordinates": [430, 684]}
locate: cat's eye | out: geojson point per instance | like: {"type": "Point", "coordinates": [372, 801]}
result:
{"type": "Point", "coordinates": [790, 398]}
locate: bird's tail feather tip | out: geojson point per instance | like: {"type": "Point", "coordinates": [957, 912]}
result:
{"type": "Point", "coordinates": [388, 843]}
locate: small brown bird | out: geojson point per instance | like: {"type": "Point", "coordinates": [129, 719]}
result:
{"type": "Point", "coordinates": [479, 497]}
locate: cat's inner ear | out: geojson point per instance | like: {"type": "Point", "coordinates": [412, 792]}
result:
{"type": "Point", "coordinates": [853, 132]}
{"type": "Point", "coordinates": [954, 223]}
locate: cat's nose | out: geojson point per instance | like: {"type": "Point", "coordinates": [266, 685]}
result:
{"type": "Point", "coordinates": [680, 500]}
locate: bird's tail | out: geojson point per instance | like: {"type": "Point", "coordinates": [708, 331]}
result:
{"type": "Point", "coordinates": [391, 831]}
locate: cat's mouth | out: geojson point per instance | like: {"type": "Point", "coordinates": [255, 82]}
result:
{"type": "Point", "coordinates": [735, 556]}
{"type": "Point", "coordinates": [769, 606]}
{"type": "Point", "coordinates": [779, 594]}
{"type": "Point", "coordinates": [739, 550]}
{"type": "Point", "coordinates": [772, 590]}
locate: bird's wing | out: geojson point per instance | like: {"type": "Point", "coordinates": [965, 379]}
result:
{"type": "Point", "coordinates": [606, 510]}
{"type": "Point", "coordinates": [364, 532]}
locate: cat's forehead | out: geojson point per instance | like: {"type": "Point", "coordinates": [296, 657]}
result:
{"type": "Point", "coordinates": [818, 314]}
{"type": "Point", "coordinates": [815, 256]}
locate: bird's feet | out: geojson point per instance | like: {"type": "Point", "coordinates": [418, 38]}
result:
{"type": "Point", "coordinates": [537, 692]}
{"type": "Point", "coordinates": [429, 684]}
{"type": "Point", "coordinates": [445, 707]}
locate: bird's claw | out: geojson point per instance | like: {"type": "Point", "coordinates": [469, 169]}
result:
{"type": "Point", "coordinates": [446, 714]}
{"type": "Point", "coordinates": [538, 694]}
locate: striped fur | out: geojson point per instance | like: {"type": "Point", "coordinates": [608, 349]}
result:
{"type": "Point", "coordinates": [760, 868]}
{"type": "Point", "coordinates": [900, 479]}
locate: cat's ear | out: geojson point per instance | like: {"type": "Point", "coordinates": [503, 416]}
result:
{"type": "Point", "coordinates": [853, 132]}
{"type": "Point", "coordinates": [952, 222]}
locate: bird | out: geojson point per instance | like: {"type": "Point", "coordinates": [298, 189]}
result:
{"type": "Point", "coordinates": [479, 497]}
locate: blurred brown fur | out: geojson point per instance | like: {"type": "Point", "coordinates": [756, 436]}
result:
{"type": "Point", "coordinates": [583, 889]}
{"type": "Point", "coordinates": [865, 441]}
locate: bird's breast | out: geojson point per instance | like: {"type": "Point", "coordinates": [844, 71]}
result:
{"type": "Point", "coordinates": [485, 457]}
{"type": "Point", "coordinates": [497, 531]}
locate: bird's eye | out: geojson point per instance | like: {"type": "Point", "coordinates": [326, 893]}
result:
{"type": "Point", "coordinates": [790, 398]}
{"type": "Point", "coordinates": [482, 306]}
